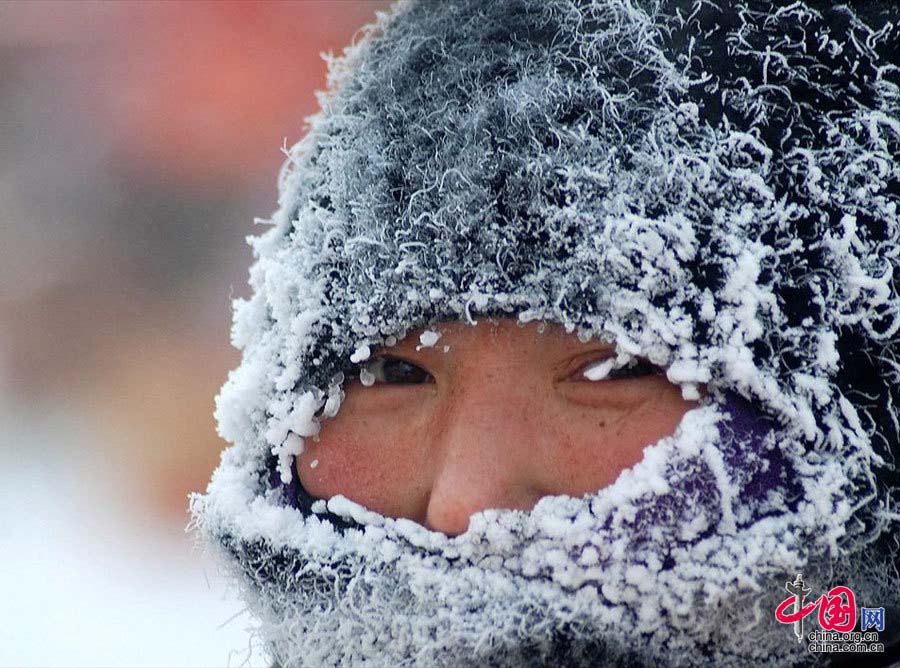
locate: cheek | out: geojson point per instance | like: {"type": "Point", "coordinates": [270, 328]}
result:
{"type": "Point", "coordinates": [370, 461]}
{"type": "Point", "coordinates": [595, 446]}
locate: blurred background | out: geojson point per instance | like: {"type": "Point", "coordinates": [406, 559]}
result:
{"type": "Point", "coordinates": [138, 141]}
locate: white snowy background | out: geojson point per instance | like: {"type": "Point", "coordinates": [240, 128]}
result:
{"type": "Point", "coordinates": [87, 579]}
{"type": "Point", "coordinates": [137, 143]}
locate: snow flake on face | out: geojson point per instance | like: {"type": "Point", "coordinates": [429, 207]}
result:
{"type": "Point", "coordinates": [333, 403]}
{"type": "Point", "coordinates": [428, 339]}
{"type": "Point", "coordinates": [286, 452]}
{"type": "Point", "coordinates": [366, 377]}
{"type": "Point", "coordinates": [600, 370]}
{"type": "Point", "coordinates": [292, 419]}
{"type": "Point", "coordinates": [361, 354]}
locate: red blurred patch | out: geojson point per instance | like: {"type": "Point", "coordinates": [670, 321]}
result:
{"type": "Point", "coordinates": [212, 90]}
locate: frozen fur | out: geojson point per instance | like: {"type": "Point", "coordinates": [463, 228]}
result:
{"type": "Point", "coordinates": [712, 185]}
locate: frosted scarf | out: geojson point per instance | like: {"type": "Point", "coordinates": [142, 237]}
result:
{"type": "Point", "coordinates": [712, 186]}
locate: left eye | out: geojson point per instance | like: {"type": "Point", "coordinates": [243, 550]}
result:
{"type": "Point", "coordinates": [396, 371]}
{"type": "Point", "coordinates": [606, 370]}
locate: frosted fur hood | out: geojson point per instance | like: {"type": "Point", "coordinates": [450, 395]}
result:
{"type": "Point", "coordinates": [711, 185]}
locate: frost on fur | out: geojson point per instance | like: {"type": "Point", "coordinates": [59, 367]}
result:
{"type": "Point", "coordinates": [714, 187]}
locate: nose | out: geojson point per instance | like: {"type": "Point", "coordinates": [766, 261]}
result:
{"type": "Point", "coordinates": [487, 448]}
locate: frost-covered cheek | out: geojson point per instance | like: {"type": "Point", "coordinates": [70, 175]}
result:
{"type": "Point", "coordinates": [411, 452]}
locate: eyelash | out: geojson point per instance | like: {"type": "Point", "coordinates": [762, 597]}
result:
{"type": "Point", "coordinates": [636, 368]}
{"type": "Point", "coordinates": [376, 367]}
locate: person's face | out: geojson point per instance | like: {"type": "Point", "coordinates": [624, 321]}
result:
{"type": "Point", "coordinates": [502, 418]}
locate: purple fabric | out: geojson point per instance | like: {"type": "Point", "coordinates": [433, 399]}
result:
{"type": "Point", "coordinates": [749, 428]}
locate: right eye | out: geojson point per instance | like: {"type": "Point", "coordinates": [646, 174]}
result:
{"type": "Point", "coordinates": [394, 371]}
{"type": "Point", "coordinates": [605, 369]}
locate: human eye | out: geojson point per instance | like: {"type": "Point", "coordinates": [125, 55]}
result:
{"type": "Point", "coordinates": [393, 371]}
{"type": "Point", "coordinates": [608, 369]}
